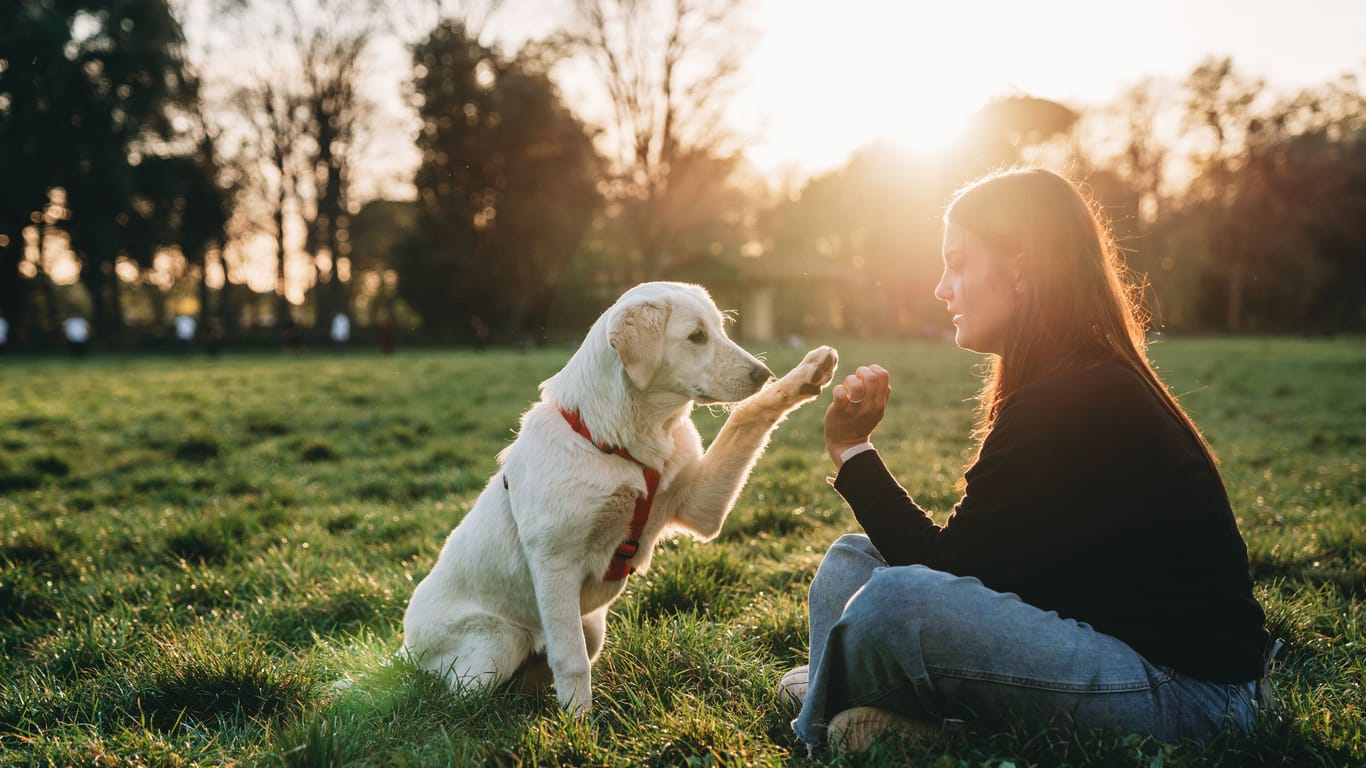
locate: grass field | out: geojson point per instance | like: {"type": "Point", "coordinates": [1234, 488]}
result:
{"type": "Point", "coordinates": [193, 552]}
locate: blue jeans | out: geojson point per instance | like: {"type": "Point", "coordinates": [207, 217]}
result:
{"type": "Point", "coordinates": [933, 646]}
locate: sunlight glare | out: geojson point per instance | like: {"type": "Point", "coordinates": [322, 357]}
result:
{"type": "Point", "coordinates": [830, 82]}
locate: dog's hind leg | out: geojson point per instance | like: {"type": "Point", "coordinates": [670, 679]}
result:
{"type": "Point", "coordinates": [594, 630]}
{"type": "Point", "coordinates": [483, 651]}
{"type": "Point", "coordinates": [535, 674]}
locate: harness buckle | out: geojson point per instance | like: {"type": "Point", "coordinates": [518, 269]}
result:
{"type": "Point", "coordinates": [627, 549]}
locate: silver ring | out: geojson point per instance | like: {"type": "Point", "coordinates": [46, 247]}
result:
{"type": "Point", "coordinates": [855, 402]}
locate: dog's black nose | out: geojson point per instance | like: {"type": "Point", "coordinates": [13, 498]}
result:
{"type": "Point", "coordinates": [760, 374]}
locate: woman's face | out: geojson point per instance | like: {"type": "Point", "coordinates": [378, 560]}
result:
{"type": "Point", "coordinates": [978, 294]}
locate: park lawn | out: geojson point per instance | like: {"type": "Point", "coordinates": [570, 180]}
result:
{"type": "Point", "coordinates": [193, 553]}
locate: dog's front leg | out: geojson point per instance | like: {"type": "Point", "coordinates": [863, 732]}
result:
{"type": "Point", "coordinates": [799, 386]}
{"type": "Point", "coordinates": [562, 561]}
{"type": "Point", "coordinates": [708, 490]}
{"type": "Point", "coordinates": [557, 584]}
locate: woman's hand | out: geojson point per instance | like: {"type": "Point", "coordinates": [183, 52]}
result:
{"type": "Point", "coordinates": [856, 409]}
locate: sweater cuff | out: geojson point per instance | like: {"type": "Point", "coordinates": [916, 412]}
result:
{"type": "Point", "coordinates": [860, 474]}
{"type": "Point", "coordinates": [854, 450]}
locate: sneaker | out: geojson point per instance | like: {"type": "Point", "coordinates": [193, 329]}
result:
{"type": "Point", "coordinates": [855, 730]}
{"type": "Point", "coordinates": [792, 688]}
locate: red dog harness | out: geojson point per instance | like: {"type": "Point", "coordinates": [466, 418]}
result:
{"type": "Point", "coordinates": [621, 567]}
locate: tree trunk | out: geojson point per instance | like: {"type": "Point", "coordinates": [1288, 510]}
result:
{"type": "Point", "coordinates": [158, 304]}
{"type": "Point", "coordinates": [49, 291]}
{"type": "Point", "coordinates": [13, 291]}
{"type": "Point", "coordinates": [1234, 319]}
{"type": "Point", "coordinates": [93, 278]}
{"type": "Point", "coordinates": [200, 258]}
{"type": "Point", "coordinates": [282, 300]}
{"type": "Point", "coordinates": [115, 320]}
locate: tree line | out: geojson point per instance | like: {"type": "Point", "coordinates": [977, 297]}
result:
{"type": "Point", "coordinates": [219, 157]}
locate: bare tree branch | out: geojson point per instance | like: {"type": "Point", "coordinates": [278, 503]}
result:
{"type": "Point", "coordinates": [666, 69]}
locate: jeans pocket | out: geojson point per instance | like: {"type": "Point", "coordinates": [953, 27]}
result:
{"type": "Point", "coordinates": [1243, 706]}
{"type": "Point", "coordinates": [1202, 707]}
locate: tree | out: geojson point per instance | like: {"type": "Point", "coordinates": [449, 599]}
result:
{"type": "Point", "coordinates": [872, 225]}
{"type": "Point", "coordinates": [276, 119]}
{"type": "Point", "coordinates": [379, 232]}
{"type": "Point", "coordinates": [414, 20]}
{"type": "Point", "coordinates": [666, 68]}
{"type": "Point", "coordinates": [1334, 215]}
{"type": "Point", "coordinates": [1219, 110]}
{"type": "Point", "coordinates": [36, 127]}
{"type": "Point", "coordinates": [1299, 192]}
{"type": "Point", "coordinates": [506, 188]}
{"type": "Point", "coordinates": [298, 114]}
{"type": "Point", "coordinates": [1001, 133]}
{"type": "Point", "coordinates": [1127, 171]}
{"type": "Point", "coordinates": [177, 202]}
{"type": "Point", "coordinates": [130, 84]}
{"type": "Point", "coordinates": [331, 54]}
{"type": "Point", "coordinates": [1144, 159]}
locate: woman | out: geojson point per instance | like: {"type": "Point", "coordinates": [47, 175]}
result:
{"type": "Point", "coordinates": [1092, 573]}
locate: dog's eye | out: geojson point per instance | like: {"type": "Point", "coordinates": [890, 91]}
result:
{"type": "Point", "coordinates": [698, 336]}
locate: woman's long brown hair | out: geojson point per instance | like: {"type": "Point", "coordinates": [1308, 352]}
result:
{"type": "Point", "coordinates": [1076, 305]}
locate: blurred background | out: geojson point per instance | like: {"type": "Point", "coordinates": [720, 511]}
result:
{"type": "Point", "coordinates": [497, 172]}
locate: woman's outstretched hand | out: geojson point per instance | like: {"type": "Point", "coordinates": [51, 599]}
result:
{"type": "Point", "coordinates": [856, 409]}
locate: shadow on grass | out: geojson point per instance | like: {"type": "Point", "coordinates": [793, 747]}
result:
{"type": "Point", "coordinates": [205, 678]}
{"type": "Point", "coordinates": [392, 709]}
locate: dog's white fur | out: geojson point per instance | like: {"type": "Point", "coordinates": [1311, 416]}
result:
{"type": "Point", "coordinates": [523, 572]}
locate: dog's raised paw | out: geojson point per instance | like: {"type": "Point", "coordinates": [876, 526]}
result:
{"type": "Point", "coordinates": [810, 376]}
{"type": "Point", "coordinates": [825, 359]}
{"type": "Point", "coordinates": [819, 368]}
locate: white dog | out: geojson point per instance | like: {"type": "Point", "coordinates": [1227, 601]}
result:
{"type": "Point", "coordinates": [605, 464]}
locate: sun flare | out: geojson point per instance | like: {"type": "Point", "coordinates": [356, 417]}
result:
{"type": "Point", "coordinates": [832, 82]}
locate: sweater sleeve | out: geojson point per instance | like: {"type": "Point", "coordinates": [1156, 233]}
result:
{"type": "Point", "coordinates": [902, 532]}
{"type": "Point", "coordinates": [1006, 518]}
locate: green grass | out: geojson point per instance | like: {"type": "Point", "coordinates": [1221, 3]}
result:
{"type": "Point", "coordinates": [192, 553]}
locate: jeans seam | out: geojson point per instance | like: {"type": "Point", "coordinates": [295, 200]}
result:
{"type": "Point", "coordinates": [1248, 698]}
{"type": "Point", "coordinates": [863, 701]}
{"type": "Point", "coordinates": [1043, 685]}
{"type": "Point", "coordinates": [907, 691]}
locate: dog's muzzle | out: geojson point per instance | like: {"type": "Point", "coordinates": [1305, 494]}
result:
{"type": "Point", "coordinates": [760, 374]}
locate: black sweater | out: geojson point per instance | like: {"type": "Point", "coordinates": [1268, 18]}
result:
{"type": "Point", "coordinates": [1090, 499]}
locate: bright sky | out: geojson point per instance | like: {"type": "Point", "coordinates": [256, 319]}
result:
{"type": "Point", "coordinates": [827, 78]}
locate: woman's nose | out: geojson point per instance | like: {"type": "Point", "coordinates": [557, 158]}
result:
{"type": "Point", "coordinates": [941, 291]}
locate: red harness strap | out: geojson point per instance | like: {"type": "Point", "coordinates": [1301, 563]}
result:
{"type": "Point", "coordinates": [621, 567]}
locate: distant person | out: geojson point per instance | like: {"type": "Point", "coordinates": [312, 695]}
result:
{"type": "Point", "coordinates": [290, 335]}
{"type": "Point", "coordinates": [1092, 573]}
{"type": "Point", "coordinates": [184, 333]}
{"type": "Point", "coordinates": [341, 332]}
{"type": "Point", "coordinates": [388, 334]}
{"type": "Point", "coordinates": [4, 334]}
{"type": "Point", "coordinates": [77, 331]}
{"type": "Point", "coordinates": [481, 333]}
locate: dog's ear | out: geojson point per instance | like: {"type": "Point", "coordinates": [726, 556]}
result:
{"type": "Point", "coordinates": [637, 334]}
